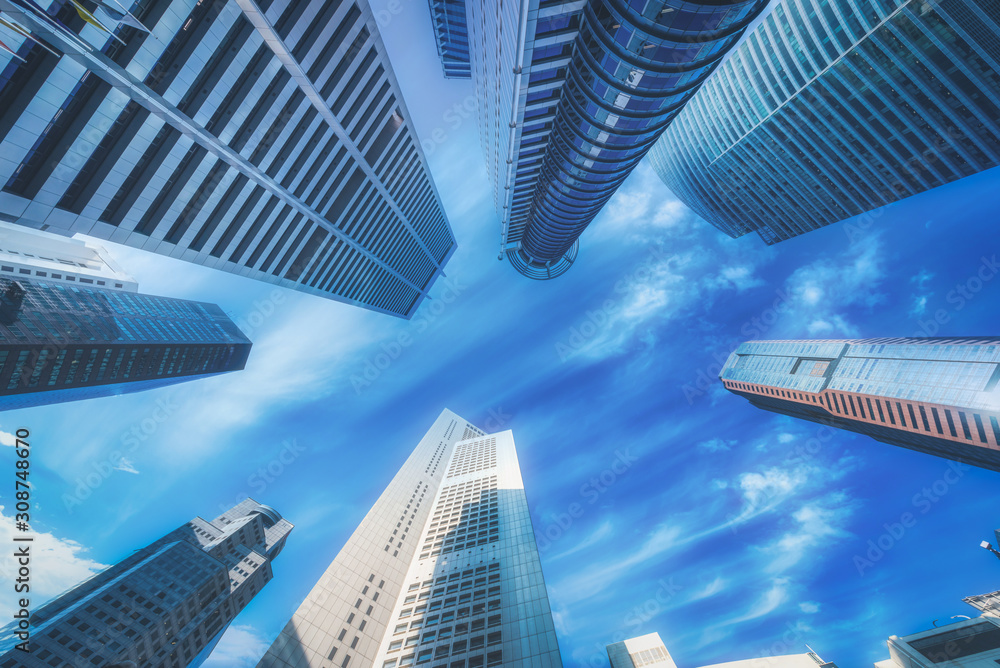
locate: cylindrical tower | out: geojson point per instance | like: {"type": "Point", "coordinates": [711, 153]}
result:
{"type": "Point", "coordinates": [635, 64]}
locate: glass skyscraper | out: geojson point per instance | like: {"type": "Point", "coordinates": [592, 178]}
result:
{"type": "Point", "coordinates": [939, 396]}
{"type": "Point", "coordinates": [442, 571]}
{"type": "Point", "coordinates": [451, 33]}
{"type": "Point", "coordinates": [832, 108]}
{"type": "Point", "coordinates": [63, 343]}
{"type": "Point", "coordinates": [573, 94]}
{"type": "Point", "coordinates": [268, 139]}
{"type": "Point", "coordinates": [163, 606]}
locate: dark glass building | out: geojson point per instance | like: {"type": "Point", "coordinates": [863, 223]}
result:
{"type": "Point", "coordinates": [832, 108]}
{"type": "Point", "coordinates": [939, 396]}
{"type": "Point", "coordinates": [163, 606]}
{"type": "Point", "coordinates": [451, 33]}
{"type": "Point", "coordinates": [268, 139]}
{"type": "Point", "coordinates": [573, 95]}
{"type": "Point", "coordinates": [63, 343]}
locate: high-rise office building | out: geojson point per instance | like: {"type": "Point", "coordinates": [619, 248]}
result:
{"type": "Point", "coordinates": [832, 108]}
{"type": "Point", "coordinates": [163, 606]}
{"type": "Point", "coordinates": [649, 650]}
{"type": "Point", "coordinates": [72, 326]}
{"type": "Point", "coordinates": [933, 395]}
{"type": "Point", "coordinates": [968, 643]}
{"type": "Point", "coordinates": [30, 253]}
{"type": "Point", "coordinates": [571, 97]}
{"type": "Point", "coordinates": [268, 139]}
{"type": "Point", "coordinates": [451, 33]}
{"type": "Point", "coordinates": [442, 571]}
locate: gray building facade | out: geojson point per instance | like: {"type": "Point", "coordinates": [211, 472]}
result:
{"type": "Point", "coordinates": [572, 95]}
{"type": "Point", "coordinates": [266, 139]}
{"type": "Point", "coordinates": [832, 108]}
{"type": "Point", "coordinates": [939, 396]}
{"type": "Point", "coordinates": [442, 571]}
{"type": "Point", "coordinates": [163, 606]}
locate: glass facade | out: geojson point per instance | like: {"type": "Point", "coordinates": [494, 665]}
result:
{"type": "Point", "coordinates": [935, 395]}
{"type": "Point", "coordinates": [443, 571]}
{"type": "Point", "coordinates": [61, 342]}
{"type": "Point", "coordinates": [573, 95]}
{"type": "Point", "coordinates": [162, 606]}
{"type": "Point", "coordinates": [451, 33]}
{"type": "Point", "coordinates": [832, 108]}
{"type": "Point", "coordinates": [267, 139]}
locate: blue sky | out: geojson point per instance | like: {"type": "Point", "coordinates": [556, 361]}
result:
{"type": "Point", "coordinates": [730, 531]}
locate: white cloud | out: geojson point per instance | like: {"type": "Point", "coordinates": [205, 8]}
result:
{"type": "Point", "coordinates": [809, 607]}
{"type": "Point", "coordinates": [56, 564]}
{"type": "Point", "coordinates": [241, 646]}
{"type": "Point", "coordinates": [919, 305]}
{"type": "Point", "coordinates": [716, 445]}
{"type": "Point", "coordinates": [711, 589]}
{"type": "Point", "coordinates": [785, 437]}
{"type": "Point", "coordinates": [768, 602]}
{"type": "Point", "coordinates": [603, 530]}
{"type": "Point", "coordinates": [7, 438]}
{"type": "Point", "coordinates": [819, 293]}
{"type": "Point", "coordinates": [764, 490]}
{"type": "Point", "coordinates": [599, 576]}
{"type": "Point", "coordinates": [126, 466]}
{"type": "Point", "coordinates": [817, 522]}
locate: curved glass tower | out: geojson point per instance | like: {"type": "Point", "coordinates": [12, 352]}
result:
{"type": "Point", "coordinates": [831, 108]}
{"type": "Point", "coordinates": [573, 95]}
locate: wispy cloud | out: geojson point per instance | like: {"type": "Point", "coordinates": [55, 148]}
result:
{"type": "Point", "coordinates": [62, 564]}
{"type": "Point", "coordinates": [126, 466]}
{"type": "Point", "coordinates": [241, 646]}
{"type": "Point", "coordinates": [716, 445]}
{"type": "Point", "coordinates": [820, 293]}
{"type": "Point", "coordinates": [602, 531]}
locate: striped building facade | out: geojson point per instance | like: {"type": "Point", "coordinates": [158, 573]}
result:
{"type": "Point", "coordinates": [939, 396]}
{"type": "Point", "coordinates": [832, 108]}
{"type": "Point", "coordinates": [266, 139]}
{"type": "Point", "coordinates": [572, 95]}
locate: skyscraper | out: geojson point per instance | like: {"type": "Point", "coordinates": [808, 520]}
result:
{"type": "Point", "coordinates": [832, 108]}
{"type": "Point", "coordinates": [443, 570]}
{"type": "Point", "coordinates": [649, 650]}
{"type": "Point", "coordinates": [163, 606]}
{"type": "Point", "coordinates": [72, 326]}
{"type": "Point", "coordinates": [266, 139]}
{"type": "Point", "coordinates": [58, 259]}
{"type": "Point", "coordinates": [572, 96]}
{"type": "Point", "coordinates": [451, 33]}
{"type": "Point", "coordinates": [967, 643]}
{"type": "Point", "coordinates": [933, 395]}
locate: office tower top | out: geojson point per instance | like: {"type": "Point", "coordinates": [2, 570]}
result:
{"type": "Point", "coordinates": [451, 33]}
{"type": "Point", "coordinates": [939, 396]}
{"type": "Point", "coordinates": [163, 606]}
{"type": "Point", "coordinates": [832, 108]}
{"type": "Point", "coordinates": [63, 342]}
{"type": "Point", "coordinates": [30, 253]}
{"type": "Point", "coordinates": [269, 140]}
{"type": "Point", "coordinates": [647, 650]}
{"type": "Point", "coordinates": [443, 570]}
{"type": "Point", "coordinates": [573, 95]}
{"type": "Point", "coordinates": [968, 643]}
